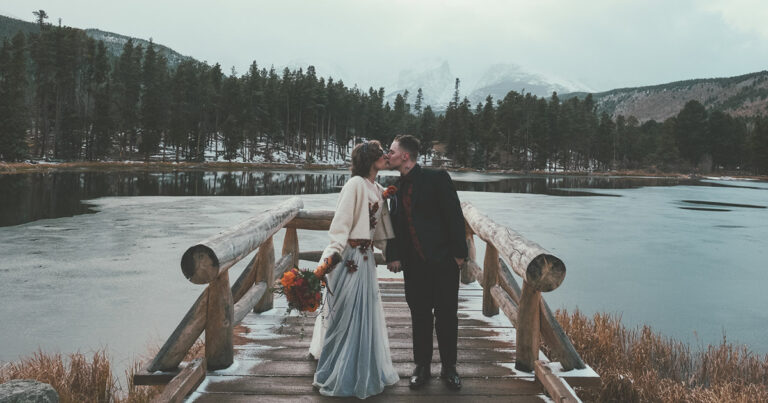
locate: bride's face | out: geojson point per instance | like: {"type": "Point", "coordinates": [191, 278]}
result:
{"type": "Point", "coordinates": [381, 163]}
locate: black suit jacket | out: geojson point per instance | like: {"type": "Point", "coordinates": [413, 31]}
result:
{"type": "Point", "coordinates": [437, 218]}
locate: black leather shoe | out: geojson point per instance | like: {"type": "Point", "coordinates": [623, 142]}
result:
{"type": "Point", "coordinates": [450, 377]}
{"type": "Point", "coordinates": [420, 376]}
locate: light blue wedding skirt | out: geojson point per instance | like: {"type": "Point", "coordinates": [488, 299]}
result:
{"type": "Point", "coordinates": [350, 335]}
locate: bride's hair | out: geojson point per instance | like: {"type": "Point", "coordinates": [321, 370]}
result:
{"type": "Point", "coordinates": [364, 155]}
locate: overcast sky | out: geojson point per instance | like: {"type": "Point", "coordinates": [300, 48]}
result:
{"type": "Point", "coordinates": [600, 43]}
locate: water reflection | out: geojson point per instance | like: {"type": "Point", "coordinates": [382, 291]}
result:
{"type": "Point", "coordinates": [555, 185]}
{"type": "Point", "coordinates": [30, 197]}
{"type": "Point", "coordinates": [34, 196]}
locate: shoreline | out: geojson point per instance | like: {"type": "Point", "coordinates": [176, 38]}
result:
{"type": "Point", "coordinates": [157, 166]}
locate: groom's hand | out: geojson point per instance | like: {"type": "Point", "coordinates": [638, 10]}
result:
{"type": "Point", "coordinates": [395, 266]}
{"type": "Point", "coordinates": [459, 261]}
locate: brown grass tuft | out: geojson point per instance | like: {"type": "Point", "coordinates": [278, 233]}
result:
{"type": "Point", "coordinates": [76, 379]}
{"type": "Point", "coordinates": [641, 366]}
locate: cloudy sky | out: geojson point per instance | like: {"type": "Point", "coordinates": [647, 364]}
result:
{"type": "Point", "coordinates": [602, 44]}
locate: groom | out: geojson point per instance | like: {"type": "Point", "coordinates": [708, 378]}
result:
{"type": "Point", "coordinates": [429, 247]}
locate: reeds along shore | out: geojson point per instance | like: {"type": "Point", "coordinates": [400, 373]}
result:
{"type": "Point", "coordinates": [76, 379]}
{"type": "Point", "coordinates": [636, 365]}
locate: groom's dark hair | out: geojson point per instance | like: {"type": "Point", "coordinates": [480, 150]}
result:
{"type": "Point", "coordinates": [364, 155]}
{"type": "Point", "coordinates": [409, 144]}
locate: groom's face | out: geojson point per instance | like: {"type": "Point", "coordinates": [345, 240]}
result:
{"type": "Point", "coordinates": [396, 156]}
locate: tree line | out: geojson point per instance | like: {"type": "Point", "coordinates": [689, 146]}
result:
{"type": "Point", "coordinates": [63, 96]}
{"type": "Point", "coordinates": [525, 132]}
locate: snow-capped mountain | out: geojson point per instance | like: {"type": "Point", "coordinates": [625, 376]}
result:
{"type": "Point", "coordinates": [323, 68]}
{"type": "Point", "coordinates": [499, 79]}
{"type": "Point", "coordinates": [438, 84]}
{"type": "Point", "coordinates": [433, 77]}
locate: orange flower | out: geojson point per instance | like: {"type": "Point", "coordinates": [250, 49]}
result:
{"type": "Point", "coordinates": [288, 278]}
{"type": "Point", "coordinates": [388, 192]}
{"type": "Point", "coordinates": [301, 288]}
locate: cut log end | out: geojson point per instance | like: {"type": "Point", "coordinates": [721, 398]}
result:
{"type": "Point", "coordinates": [200, 264]}
{"type": "Point", "coordinates": [545, 272]}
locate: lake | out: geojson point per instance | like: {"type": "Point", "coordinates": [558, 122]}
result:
{"type": "Point", "coordinates": [91, 259]}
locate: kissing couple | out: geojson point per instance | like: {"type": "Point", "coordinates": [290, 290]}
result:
{"type": "Point", "coordinates": [419, 226]}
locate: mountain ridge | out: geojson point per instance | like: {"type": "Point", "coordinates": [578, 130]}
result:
{"type": "Point", "coordinates": [113, 41]}
{"type": "Point", "coordinates": [745, 95]}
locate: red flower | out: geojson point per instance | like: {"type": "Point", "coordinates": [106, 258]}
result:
{"type": "Point", "coordinates": [388, 192]}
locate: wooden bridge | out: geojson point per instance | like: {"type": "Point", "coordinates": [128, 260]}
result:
{"type": "Point", "coordinates": [253, 350]}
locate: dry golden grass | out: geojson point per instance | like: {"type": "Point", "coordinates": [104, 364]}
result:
{"type": "Point", "coordinates": [78, 380]}
{"type": "Point", "coordinates": [75, 378]}
{"type": "Point", "coordinates": [641, 366]}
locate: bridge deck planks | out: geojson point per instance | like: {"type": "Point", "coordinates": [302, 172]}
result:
{"type": "Point", "coordinates": [272, 363]}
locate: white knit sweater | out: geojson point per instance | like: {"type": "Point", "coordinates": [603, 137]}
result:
{"type": "Point", "coordinates": [351, 220]}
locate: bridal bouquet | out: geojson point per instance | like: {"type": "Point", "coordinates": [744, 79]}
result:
{"type": "Point", "coordinates": [302, 287]}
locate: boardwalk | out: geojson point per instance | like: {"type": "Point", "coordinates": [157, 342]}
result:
{"type": "Point", "coordinates": [272, 363]}
{"type": "Point", "coordinates": [265, 355]}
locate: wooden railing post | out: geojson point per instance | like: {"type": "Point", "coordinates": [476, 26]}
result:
{"type": "Point", "coordinates": [291, 245]}
{"type": "Point", "coordinates": [265, 271]}
{"type": "Point", "coordinates": [219, 350]}
{"type": "Point", "coordinates": [490, 279]}
{"type": "Point", "coordinates": [466, 275]}
{"type": "Point", "coordinates": [528, 329]}
{"type": "Point", "coordinates": [551, 332]}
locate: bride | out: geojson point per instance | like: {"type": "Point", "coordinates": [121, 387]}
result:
{"type": "Point", "coordinates": [350, 335]}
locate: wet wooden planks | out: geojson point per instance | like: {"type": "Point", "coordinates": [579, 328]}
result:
{"type": "Point", "coordinates": [272, 363]}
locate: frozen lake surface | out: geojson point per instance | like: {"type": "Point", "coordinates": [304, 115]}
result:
{"type": "Point", "coordinates": [656, 255]}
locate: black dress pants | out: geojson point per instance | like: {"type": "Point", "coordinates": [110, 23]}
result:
{"type": "Point", "coordinates": [432, 293]}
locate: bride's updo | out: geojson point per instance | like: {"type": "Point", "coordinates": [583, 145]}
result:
{"type": "Point", "coordinates": [364, 155]}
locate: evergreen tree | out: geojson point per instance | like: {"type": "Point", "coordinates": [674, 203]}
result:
{"type": "Point", "coordinates": [13, 109]}
{"type": "Point", "coordinates": [486, 132]}
{"type": "Point", "coordinates": [127, 92]}
{"type": "Point", "coordinates": [509, 120]}
{"type": "Point", "coordinates": [43, 55]}
{"type": "Point", "coordinates": [232, 127]}
{"type": "Point", "coordinates": [553, 127]}
{"type": "Point", "coordinates": [427, 131]}
{"type": "Point", "coordinates": [400, 114]}
{"type": "Point", "coordinates": [667, 153]}
{"type": "Point", "coordinates": [103, 123]}
{"type": "Point", "coordinates": [604, 144]}
{"type": "Point", "coordinates": [154, 101]}
{"type": "Point", "coordinates": [691, 132]}
{"type": "Point", "coordinates": [759, 146]}
{"type": "Point", "coordinates": [646, 144]}
{"type": "Point", "coordinates": [418, 105]}
{"type": "Point", "coordinates": [726, 138]}
{"type": "Point", "coordinates": [68, 126]}
{"type": "Point", "coordinates": [182, 107]}
{"type": "Point", "coordinates": [41, 16]}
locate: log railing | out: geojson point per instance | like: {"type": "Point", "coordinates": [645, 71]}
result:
{"type": "Point", "coordinates": [508, 252]}
{"type": "Point", "coordinates": [220, 307]}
